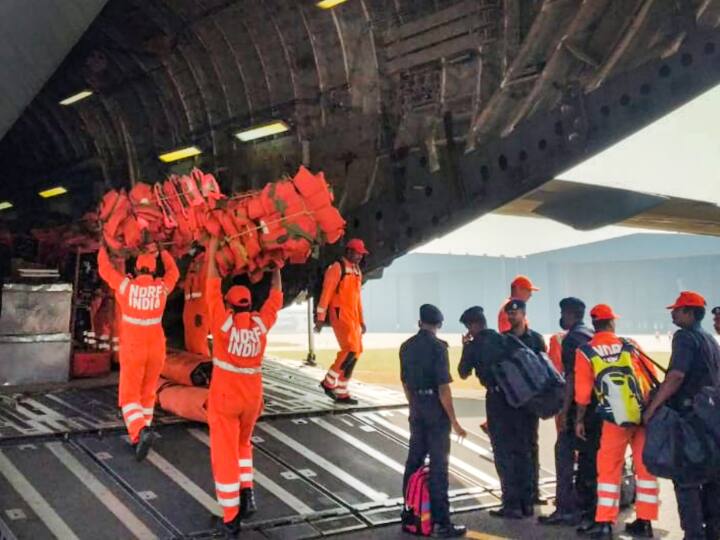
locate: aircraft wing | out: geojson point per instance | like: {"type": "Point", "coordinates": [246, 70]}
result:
{"type": "Point", "coordinates": [587, 207]}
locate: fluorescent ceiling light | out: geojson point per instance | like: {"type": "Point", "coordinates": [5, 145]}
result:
{"type": "Point", "coordinates": [53, 192]}
{"type": "Point", "coordinates": [328, 4]}
{"type": "Point", "coordinates": [77, 97]}
{"type": "Point", "coordinates": [265, 130]}
{"type": "Point", "coordinates": [180, 153]}
{"type": "Point", "coordinates": [4, 205]}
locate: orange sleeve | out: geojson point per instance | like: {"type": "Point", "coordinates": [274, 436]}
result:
{"type": "Point", "coordinates": [330, 283]}
{"type": "Point", "coordinates": [107, 270]}
{"type": "Point", "coordinates": [360, 305]}
{"type": "Point", "coordinates": [216, 306]}
{"type": "Point", "coordinates": [584, 379]}
{"type": "Point", "coordinates": [172, 274]}
{"type": "Point", "coordinates": [555, 353]}
{"type": "Point", "coordinates": [503, 322]}
{"type": "Point", "coordinates": [269, 310]}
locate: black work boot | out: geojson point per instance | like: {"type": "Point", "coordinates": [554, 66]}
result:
{"type": "Point", "coordinates": [599, 531]}
{"type": "Point", "coordinates": [559, 518]}
{"type": "Point", "coordinates": [506, 513]}
{"type": "Point", "coordinates": [641, 528]}
{"type": "Point", "coordinates": [247, 503]}
{"type": "Point", "coordinates": [144, 444]}
{"type": "Point", "coordinates": [448, 531]}
{"type": "Point", "coordinates": [347, 400]}
{"type": "Point", "coordinates": [229, 530]}
{"type": "Point", "coordinates": [328, 391]}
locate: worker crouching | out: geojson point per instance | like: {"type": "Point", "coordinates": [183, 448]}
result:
{"type": "Point", "coordinates": [142, 339]}
{"type": "Point", "coordinates": [236, 392]}
{"type": "Point", "coordinates": [615, 370]}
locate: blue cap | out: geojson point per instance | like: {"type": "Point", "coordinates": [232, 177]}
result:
{"type": "Point", "coordinates": [514, 305]}
{"type": "Point", "coordinates": [429, 314]}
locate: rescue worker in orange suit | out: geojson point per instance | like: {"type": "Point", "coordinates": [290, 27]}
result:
{"type": "Point", "coordinates": [235, 399]}
{"type": "Point", "coordinates": [341, 298]}
{"type": "Point", "coordinates": [521, 288]}
{"type": "Point", "coordinates": [142, 340]}
{"type": "Point", "coordinates": [195, 317]}
{"type": "Point", "coordinates": [608, 361]}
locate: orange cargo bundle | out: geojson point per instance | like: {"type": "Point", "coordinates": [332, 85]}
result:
{"type": "Point", "coordinates": [187, 368]}
{"type": "Point", "coordinates": [184, 401]}
{"type": "Point", "coordinates": [280, 223]}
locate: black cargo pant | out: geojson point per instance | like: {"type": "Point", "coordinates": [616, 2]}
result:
{"type": "Point", "coordinates": [511, 436]}
{"type": "Point", "coordinates": [699, 509]}
{"type": "Point", "coordinates": [430, 436]}
{"type": "Point", "coordinates": [576, 492]}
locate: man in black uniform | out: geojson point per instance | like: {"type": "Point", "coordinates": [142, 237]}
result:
{"type": "Point", "coordinates": [510, 429]}
{"type": "Point", "coordinates": [694, 363]}
{"type": "Point", "coordinates": [519, 328]}
{"type": "Point", "coordinates": [425, 375]}
{"type": "Point", "coordinates": [716, 318]}
{"type": "Point", "coordinates": [576, 494]}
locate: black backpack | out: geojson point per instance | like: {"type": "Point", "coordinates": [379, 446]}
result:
{"type": "Point", "coordinates": [530, 381]}
{"type": "Point", "coordinates": [685, 445]}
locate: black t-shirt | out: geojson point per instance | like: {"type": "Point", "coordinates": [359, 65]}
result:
{"type": "Point", "coordinates": [578, 335]}
{"type": "Point", "coordinates": [424, 362]}
{"type": "Point", "coordinates": [487, 348]}
{"type": "Point", "coordinates": [530, 338]}
{"type": "Point", "coordinates": [692, 350]}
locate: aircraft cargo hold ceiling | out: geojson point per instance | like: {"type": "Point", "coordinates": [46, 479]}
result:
{"type": "Point", "coordinates": [423, 114]}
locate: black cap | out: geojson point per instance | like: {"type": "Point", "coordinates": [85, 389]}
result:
{"type": "Point", "coordinates": [514, 305]}
{"type": "Point", "coordinates": [429, 314]}
{"type": "Point", "coordinates": [716, 310]}
{"type": "Point", "coordinates": [472, 314]}
{"type": "Point", "coordinates": [572, 303]}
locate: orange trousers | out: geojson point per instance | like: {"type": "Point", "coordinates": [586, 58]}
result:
{"type": "Point", "coordinates": [141, 361]}
{"type": "Point", "coordinates": [348, 333]}
{"type": "Point", "coordinates": [611, 457]}
{"type": "Point", "coordinates": [234, 405]}
{"type": "Point", "coordinates": [195, 323]}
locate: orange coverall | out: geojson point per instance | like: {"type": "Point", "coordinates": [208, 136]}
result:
{"type": "Point", "coordinates": [142, 339]}
{"type": "Point", "coordinates": [236, 394]}
{"type": "Point", "coordinates": [615, 439]}
{"type": "Point", "coordinates": [342, 299]}
{"type": "Point", "coordinates": [195, 311]}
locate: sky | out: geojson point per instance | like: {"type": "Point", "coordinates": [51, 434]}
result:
{"type": "Point", "coordinates": [677, 155]}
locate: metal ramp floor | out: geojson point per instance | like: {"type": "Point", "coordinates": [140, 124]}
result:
{"type": "Point", "coordinates": [66, 469]}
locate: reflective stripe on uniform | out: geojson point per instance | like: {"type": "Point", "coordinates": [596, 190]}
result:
{"type": "Point", "coordinates": [644, 497]}
{"type": "Point", "coordinates": [123, 285]}
{"type": "Point", "coordinates": [148, 410]}
{"type": "Point", "coordinates": [192, 296]}
{"type": "Point", "coordinates": [131, 407]}
{"type": "Point", "coordinates": [227, 488]}
{"type": "Point", "coordinates": [229, 503]}
{"type": "Point", "coordinates": [141, 322]}
{"type": "Point", "coordinates": [236, 369]}
{"type": "Point", "coordinates": [257, 320]}
{"type": "Point", "coordinates": [245, 463]}
{"type": "Point", "coordinates": [227, 324]}
{"type": "Point", "coordinates": [134, 416]}
{"type": "Point", "coordinates": [607, 501]}
{"type": "Point", "coordinates": [647, 484]}
{"type": "Point", "coordinates": [247, 477]}
{"type": "Point", "coordinates": [609, 488]}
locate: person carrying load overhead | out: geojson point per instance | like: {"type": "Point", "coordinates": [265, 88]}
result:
{"type": "Point", "coordinates": [341, 299]}
{"type": "Point", "coordinates": [142, 340]}
{"type": "Point", "coordinates": [235, 399]}
{"type": "Point", "coordinates": [614, 369]}
{"type": "Point", "coordinates": [195, 318]}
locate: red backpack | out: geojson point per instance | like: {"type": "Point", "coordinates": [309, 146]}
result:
{"type": "Point", "coordinates": [416, 513]}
